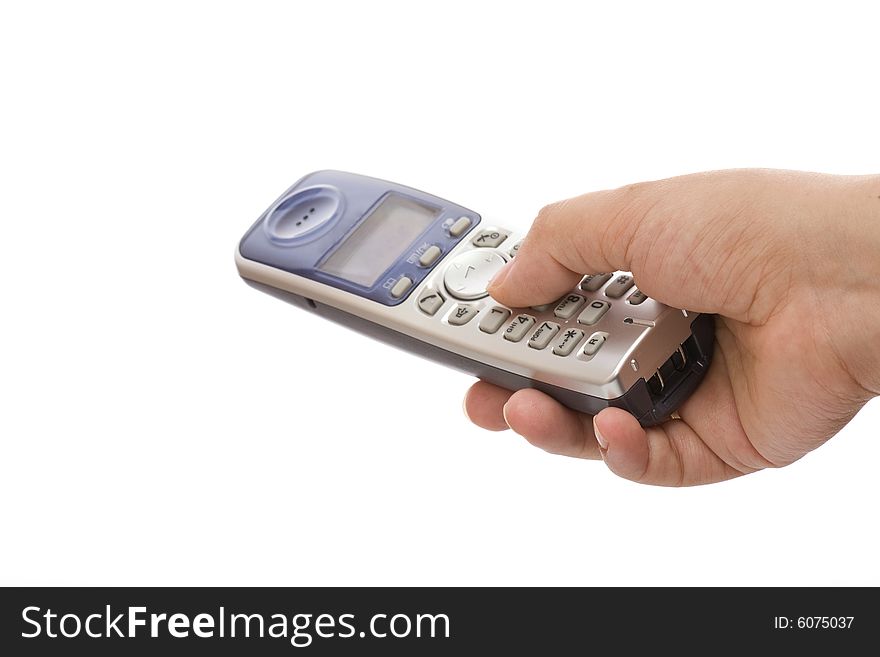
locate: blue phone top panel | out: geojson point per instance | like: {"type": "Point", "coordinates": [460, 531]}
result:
{"type": "Point", "coordinates": [328, 224]}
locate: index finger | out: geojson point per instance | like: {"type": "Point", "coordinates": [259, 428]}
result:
{"type": "Point", "coordinates": [583, 235]}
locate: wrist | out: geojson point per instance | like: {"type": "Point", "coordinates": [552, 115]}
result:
{"type": "Point", "coordinates": [860, 224]}
{"type": "Point", "coordinates": [853, 251]}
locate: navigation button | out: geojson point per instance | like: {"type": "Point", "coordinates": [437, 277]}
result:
{"type": "Point", "coordinates": [493, 319]}
{"type": "Point", "coordinates": [515, 249]}
{"type": "Point", "coordinates": [460, 225]}
{"type": "Point", "coordinates": [469, 273]}
{"type": "Point", "coordinates": [401, 287]}
{"type": "Point", "coordinates": [430, 301]}
{"type": "Point", "coordinates": [462, 314]}
{"type": "Point", "coordinates": [518, 328]}
{"type": "Point", "coordinates": [543, 334]}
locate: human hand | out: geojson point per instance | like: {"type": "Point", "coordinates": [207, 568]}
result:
{"type": "Point", "coordinates": [789, 262]}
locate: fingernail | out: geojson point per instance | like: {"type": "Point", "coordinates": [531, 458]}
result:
{"type": "Point", "coordinates": [504, 413]}
{"type": "Point", "coordinates": [464, 408]}
{"type": "Point", "coordinates": [603, 444]}
{"type": "Point", "coordinates": [500, 275]}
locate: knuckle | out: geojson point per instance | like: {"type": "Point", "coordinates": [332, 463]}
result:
{"type": "Point", "coordinates": [633, 205]}
{"type": "Point", "coordinates": [547, 217]}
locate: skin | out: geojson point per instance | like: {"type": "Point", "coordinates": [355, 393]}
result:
{"type": "Point", "coordinates": [778, 256]}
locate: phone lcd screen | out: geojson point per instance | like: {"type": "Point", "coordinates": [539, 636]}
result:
{"type": "Point", "coordinates": [380, 239]}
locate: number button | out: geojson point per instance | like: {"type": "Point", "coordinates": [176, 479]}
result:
{"type": "Point", "coordinates": [594, 282]}
{"type": "Point", "coordinates": [566, 308]}
{"type": "Point", "coordinates": [636, 298]}
{"type": "Point", "coordinates": [566, 344]}
{"type": "Point", "coordinates": [462, 314]}
{"type": "Point", "coordinates": [594, 343]}
{"type": "Point", "coordinates": [430, 301]}
{"type": "Point", "coordinates": [594, 312]}
{"type": "Point", "coordinates": [518, 328]}
{"type": "Point", "coordinates": [493, 320]}
{"type": "Point", "coordinates": [490, 237]}
{"type": "Point", "coordinates": [543, 334]}
{"type": "Point", "coordinates": [618, 286]}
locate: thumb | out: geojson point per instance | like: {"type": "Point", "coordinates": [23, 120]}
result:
{"type": "Point", "coordinates": [584, 235]}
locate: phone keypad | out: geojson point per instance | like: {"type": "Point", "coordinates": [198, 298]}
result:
{"type": "Point", "coordinates": [576, 326]}
{"type": "Point", "coordinates": [573, 312]}
{"type": "Point", "coordinates": [518, 328]}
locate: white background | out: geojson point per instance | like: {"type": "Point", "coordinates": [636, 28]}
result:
{"type": "Point", "coordinates": [162, 423]}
